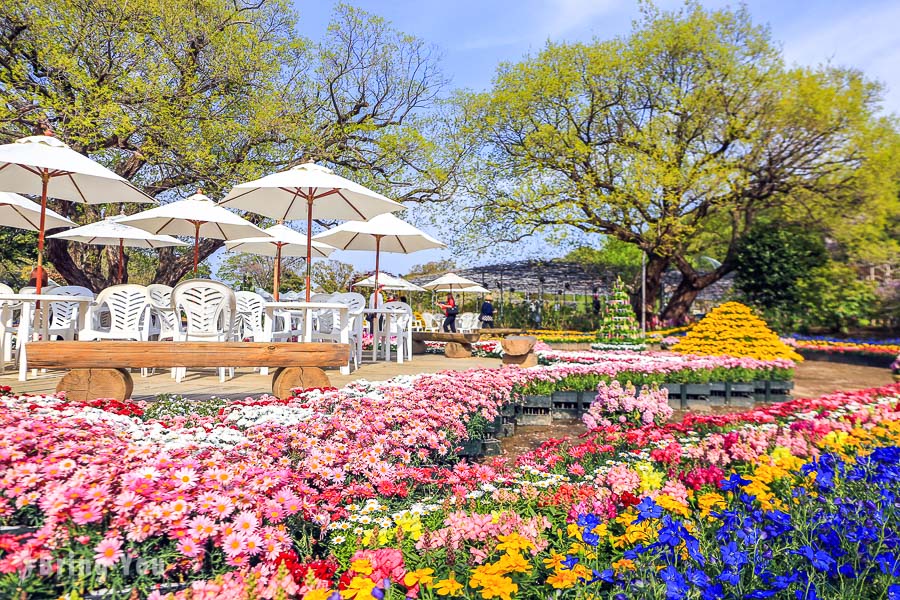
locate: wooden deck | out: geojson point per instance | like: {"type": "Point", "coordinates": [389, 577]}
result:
{"type": "Point", "coordinates": [203, 383]}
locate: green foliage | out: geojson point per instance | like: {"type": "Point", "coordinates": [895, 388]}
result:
{"type": "Point", "coordinates": [770, 263]}
{"type": "Point", "coordinates": [614, 255]}
{"type": "Point", "coordinates": [18, 251]}
{"type": "Point", "coordinates": [674, 139]}
{"type": "Point", "coordinates": [175, 94]}
{"type": "Point", "coordinates": [333, 275]}
{"type": "Point", "coordinates": [434, 269]}
{"type": "Point", "coordinates": [833, 296]}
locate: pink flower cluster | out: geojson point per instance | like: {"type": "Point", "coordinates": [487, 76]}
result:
{"type": "Point", "coordinates": [622, 405]}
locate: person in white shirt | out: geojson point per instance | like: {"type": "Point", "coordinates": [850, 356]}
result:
{"type": "Point", "coordinates": [376, 300]}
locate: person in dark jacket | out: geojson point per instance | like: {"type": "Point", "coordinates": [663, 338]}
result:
{"type": "Point", "coordinates": [487, 312]}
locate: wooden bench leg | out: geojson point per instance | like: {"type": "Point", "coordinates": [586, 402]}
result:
{"type": "Point", "coordinates": [457, 350]}
{"type": "Point", "coordinates": [419, 346]}
{"type": "Point", "coordinates": [90, 384]}
{"type": "Point", "coordinates": [286, 379]}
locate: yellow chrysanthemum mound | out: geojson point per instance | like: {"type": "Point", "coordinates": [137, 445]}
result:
{"type": "Point", "coordinates": [732, 329]}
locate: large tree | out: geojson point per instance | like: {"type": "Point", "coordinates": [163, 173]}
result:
{"type": "Point", "coordinates": [176, 95]}
{"type": "Point", "coordinates": [681, 133]}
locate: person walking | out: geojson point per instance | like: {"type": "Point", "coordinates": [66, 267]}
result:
{"type": "Point", "coordinates": [450, 312]}
{"type": "Point", "coordinates": [487, 312]}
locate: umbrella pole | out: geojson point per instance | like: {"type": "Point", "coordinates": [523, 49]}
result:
{"type": "Point", "coordinates": [377, 253]}
{"type": "Point", "coordinates": [309, 207]}
{"type": "Point", "coordinates": [45, 180]}
{"type": "Point", "coordinates": [277, 285]}
{"type": "Point", "coordinates": [121, 258]}
{"type": "Point", "coordinates": [196, 246]}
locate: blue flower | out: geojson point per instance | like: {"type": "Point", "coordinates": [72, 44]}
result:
{"type": "Point", "coordinates": [648, 509]}
{"type": "Point", "coordinates": [671, 532]}
{"type": "Point", "coordinates": [734, 483]}
{"type": "Point", "coordinates": [730, 576]}
{"type": "Point", "coordinates": [607, 576]}
{"type": "Point", "coordinates": [819, 559]}
{"type": "Point", "coordinates": [676, 586]}
{"type": "Point", "coordinates": [893, 591]}
{"type": "Point", "coordinates": [713, 592]}
{"type": "Point", "coordinates": [696, 577]}
{"type": "Point", "coordinates": [732, 555]}
{"type": "Point", "coordinates": [570, 562]}
{"type": "Point", "coordinates": [888, 563]}
{"type": "Point", "coordinates": [807, 594]}
{"type": "Point", "coordinates": [761, 594]}
{"type": "Point", "coordinates": [589, 537]}
{"type": "Point", "coordinates": [588, 521]}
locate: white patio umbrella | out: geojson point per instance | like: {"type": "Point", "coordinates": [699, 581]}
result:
{"type": "Point", "coordinates": [448, 282]}
{"type": "Point", "coordinates": [383, 233]}
{"type": "Point", "coordinates": [389, 282]}
{"type": "Point", "coordinates": [308, 191]}
{"type": "Point", "coordinates": [196, 217]}
{"type": "Point", "coordinates": [282, 241]}
{"type": "Point", "coordinates": [20, 212]}
{"type": "Point", "coordinates": [45, 166]}
{"type": "Point", "coordinates": [110, 232]}
{"type": "Point", "coordinates": [475, 289]}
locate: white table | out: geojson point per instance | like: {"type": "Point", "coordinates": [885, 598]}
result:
{"type": "Point", "coordinates": [270, 308]}
{"type": "Point", "coordinates": [389, 314]}
{"type": "Point", "coordinates": [25, 331]}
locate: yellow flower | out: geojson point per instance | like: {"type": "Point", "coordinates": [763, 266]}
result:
{"type": "Point", "coordinates": [418, 577]}
{"type": "Point", "coordinates": [362, 566]}
{"type": "Point", "coordinates": [563, 579]}
{"type": "Point", "coordinates": [359, 588]}
{"type": "Point", "coordinates": [317, 595]}
{"type": "Point", "coordinates": [513, 562]}
{"type": "Point", "coordinates": [623, 564]}
{"type": "Point", "coordinates": [555, 561]}
{"type": "Point", "coordinates": [513, 542]}
{"type": "Point", "coordinates": [494, 586]}
{"type": "Point", "coordinates": [448, 587]}
{"type": "Point", "coordinates": [670, 504]}
{"type": "Point", "coordinates": [707, 502]}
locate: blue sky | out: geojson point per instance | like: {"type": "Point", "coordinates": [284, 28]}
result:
{"type": "Point", "coordinates": [474, 36]}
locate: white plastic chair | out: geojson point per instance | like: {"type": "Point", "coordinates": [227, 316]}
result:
{"type": "Point", "coordinates": [249, 316]}
{"type": "Point", "coordinates": [162, 317]}
{"type": "Point", "coordinates": [129, 307]}
{"type": "Point", "coordinates": [209, 308]}
{"type": "Point", "coordinates": [401, 327]}
{"type": "Point", "coordinates": [64, 315]}
{"type": "Point", "coordinates": [356, 303]}
{"type": "Point", "coordinates": [466, 322]}
{"type": "Point", "coordinates": [7, 326]}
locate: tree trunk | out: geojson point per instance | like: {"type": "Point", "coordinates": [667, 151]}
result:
{"type": "Point", "coordinates": [656, 268]}
{"type": "Point", "coordinates": [172, 268]}
{"type": "Point", "coordinates": [692, 283]}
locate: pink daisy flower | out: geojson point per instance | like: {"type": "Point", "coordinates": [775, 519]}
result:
{"type": "Point", "coordinates": [108, 552]}
{"type": "Point", "coordinates": [185, 478]}
{"type": "Point", "coordinates": [246, 522]}
{"type": "Point", "coordinates": [189, 547]}
{"type": "Point", "coordinates": [234, 544]}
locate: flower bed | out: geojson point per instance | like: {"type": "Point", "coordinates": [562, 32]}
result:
{"type": "Point", "coordinates": [795, 500]}
{"type": "Point", "coordinates": [731, 329]}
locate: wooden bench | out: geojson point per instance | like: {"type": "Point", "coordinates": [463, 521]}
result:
{"type": "Point", "coordinates": [459, 345]}
{"type": "Point", "coordinates": [100, 369]}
